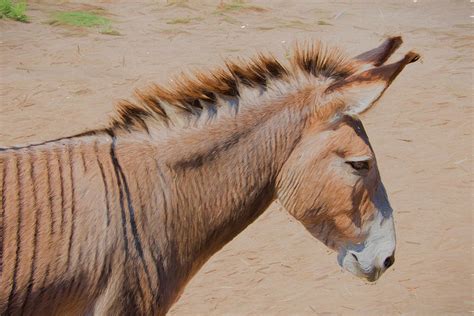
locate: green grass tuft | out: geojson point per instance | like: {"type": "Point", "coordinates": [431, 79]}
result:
{"type": "Point", "coordinates": [84, 19]}
{"type": "Point", "coordinates": [13, 11]}
{"type": "Point", "coordinates": [79, 18]}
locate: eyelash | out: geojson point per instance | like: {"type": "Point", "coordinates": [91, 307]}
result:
{"type": "Point", "coordinates": [359, 165]}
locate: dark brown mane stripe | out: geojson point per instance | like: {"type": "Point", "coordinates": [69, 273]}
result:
{"type": "Point", "coordinates": [319, 60]}
{"type": "Point", "coordinates": [190, 94]}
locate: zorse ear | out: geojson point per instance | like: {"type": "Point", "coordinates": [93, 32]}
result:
{"type": "Point", "coordinates": [377, 56]}
{"type": "Point", "coordinates": [360, 91]}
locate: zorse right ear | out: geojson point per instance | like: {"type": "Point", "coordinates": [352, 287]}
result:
{"type": "Point", "coordinates": [377, 56]}
{"type": "Point", "coordinates": [360, 91]}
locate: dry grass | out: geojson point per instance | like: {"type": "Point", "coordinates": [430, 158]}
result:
{"type": "Point", "coordinates": [184, 20]}
{"type": "Point", "coordinates": [178, 3]}
{"type": "Point", "coordinates": [237, 6]}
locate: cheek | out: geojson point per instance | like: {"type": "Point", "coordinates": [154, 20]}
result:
{"type": "Point", "coordinates": [324, 198]}
{"type": "Point", "coordinates": [337, 194]}
{"type": "Point", "coordinates": [350, 207]}
{"type": "Point", "coordinates": [347, 228]}
{"type": "Point", "coordinates": [334, 231]}
{"type": "Point", "coordinates": [303, 188]}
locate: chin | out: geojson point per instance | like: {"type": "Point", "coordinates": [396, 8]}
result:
{"type": "Point", "coordinates": [350, 264]}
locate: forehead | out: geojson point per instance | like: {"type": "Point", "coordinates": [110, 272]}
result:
{"type": "Point", "coordinates": [349, 137]}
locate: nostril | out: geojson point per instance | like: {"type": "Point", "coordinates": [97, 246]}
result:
{"type": "Point", "coordinates": [389, 261]}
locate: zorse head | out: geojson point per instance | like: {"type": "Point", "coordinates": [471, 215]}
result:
{"type": "Point", "coordinates": [331, 183]}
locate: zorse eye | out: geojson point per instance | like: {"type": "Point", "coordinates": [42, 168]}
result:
{"type": "Point", "coordinates": [359, 165]}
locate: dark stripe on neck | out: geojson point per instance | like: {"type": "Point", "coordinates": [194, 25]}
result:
{"type": "Point", "coordinates": [119, 184]}
{"type": "Point", "coordinates": [138, 246]}
{"type": "Point", "coordinates": [104, 181]}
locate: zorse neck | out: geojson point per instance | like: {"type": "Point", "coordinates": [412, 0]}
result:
{"type": "Point", "coordinates": [222, 177]}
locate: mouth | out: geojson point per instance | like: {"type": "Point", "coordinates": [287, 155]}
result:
{"type": "Point", "coordinates": [374, 275]}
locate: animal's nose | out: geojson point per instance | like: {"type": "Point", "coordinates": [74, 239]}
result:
{"type": "Point", "coordinates": [388, 262]}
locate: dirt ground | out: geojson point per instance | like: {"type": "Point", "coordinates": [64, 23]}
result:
{"type": "Point", "coordinates": [58, 81]}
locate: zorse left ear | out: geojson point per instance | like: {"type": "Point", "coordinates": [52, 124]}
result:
{"type": "Point", "coordinates": [361, 90]}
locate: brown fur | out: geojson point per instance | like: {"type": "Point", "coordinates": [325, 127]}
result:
{"type": "Point", "coordinates": [114, 222]}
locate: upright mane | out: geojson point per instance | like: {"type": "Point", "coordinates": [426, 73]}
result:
{"type": "Point", "coordinates": [190, 95]}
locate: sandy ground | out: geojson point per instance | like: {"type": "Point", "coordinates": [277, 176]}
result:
{"type": "Point", "coordinates": [58, 81]}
